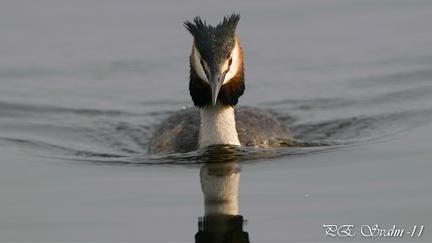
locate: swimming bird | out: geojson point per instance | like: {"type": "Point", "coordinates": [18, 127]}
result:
{"type": "Point", "coordinates": [216, 82]}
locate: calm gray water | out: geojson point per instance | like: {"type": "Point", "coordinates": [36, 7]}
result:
{"type": "Point", "coordinates": [84, 83]}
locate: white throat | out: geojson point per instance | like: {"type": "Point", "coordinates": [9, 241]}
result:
{"type": "Point", "coordinates": [217, 126]}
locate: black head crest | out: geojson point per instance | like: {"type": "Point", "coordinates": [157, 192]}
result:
{"type": "Point", "coordinates": [214, 42]}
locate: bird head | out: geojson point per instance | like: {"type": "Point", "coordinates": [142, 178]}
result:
{"type": "Point", "coordinates": [216, 59]}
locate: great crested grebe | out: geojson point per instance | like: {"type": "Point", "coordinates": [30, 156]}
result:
{"type": "Point", "coordinates": [216, 83]}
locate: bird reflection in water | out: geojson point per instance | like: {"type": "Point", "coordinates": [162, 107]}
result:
{"type": "Point", "coordinates": [220, 176]}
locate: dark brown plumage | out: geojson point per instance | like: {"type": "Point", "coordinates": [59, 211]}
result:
{"type": "Point", "coordinates": [256, 128]}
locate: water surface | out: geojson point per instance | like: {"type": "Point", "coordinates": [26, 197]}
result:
{"type": "Point", "coordinates": [83, 85]}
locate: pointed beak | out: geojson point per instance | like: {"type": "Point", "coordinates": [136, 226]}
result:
{"type": "Point", "coordinates": [216, 81]}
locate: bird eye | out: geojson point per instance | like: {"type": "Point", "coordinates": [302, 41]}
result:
{"type": "Point", "coordinates": [229, 62]}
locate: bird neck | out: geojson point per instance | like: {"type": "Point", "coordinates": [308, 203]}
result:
{"type": "Point", "coordinates": [217, 126]}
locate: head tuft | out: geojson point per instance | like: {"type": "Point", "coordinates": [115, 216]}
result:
{"type": "Point", "coordinates": [200, 28]}
{"type": "Point", "coordinates": [214, 42]}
